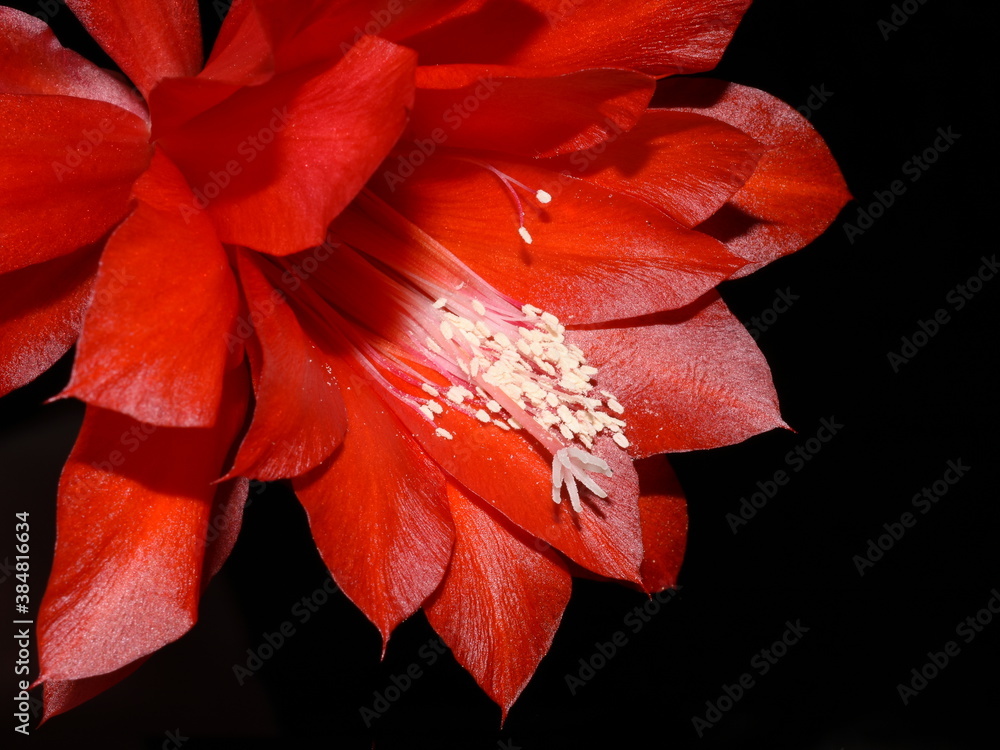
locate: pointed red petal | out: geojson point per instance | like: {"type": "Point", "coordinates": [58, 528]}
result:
{"type": "Point", "coordinates": [472, 106]}
{"type": "Point", "coordinates": [36, 63]}
{"type": "Point", "coordinates": [661, 37]}
{"type": "Point", "coordinates": [378, 512]}
{"type": "Point", "coordinates": [685, 164]}
{"type": "Point", "coordinates": [59, 696]}
{"type": "Point", "coordinates": [149, 39]}
{"type": "Point", "coordinates": [135, 506]}
{"type": "Point", "coordinates": [596, 255]}
{"type": "Point", "coordinates": [688, 380]}
{"type": "Point", "coordinates": [796, 190]}
{"type": "Point", "coordinates": [299, 417]}
{"type": "Point", "coordinates": [223, 527]}
{"type": "Point", "coordinates": [275, 163]}
{"type": "Point", "coordinates": [501, 601]}
{"type": "Point", "coordinates": [663, 512]}
{"type": "Point", "coordinates": [68, 165]}
{"type": "Point", "coordinates": [41, 312]}
{"type": "Point", "coordinates": [162, 274]}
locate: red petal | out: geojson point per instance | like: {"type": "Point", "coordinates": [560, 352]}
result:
{"type": "Point", "coordinates": [378, 512]}
{"type": "Point", "coordinates": [796, 190]}
{"type": "Point", "coordinates": [223, 527]}
{"type": "Point", "coordinates": [68, 166]}
{"type": "Point", "coordinates": [505, 110]}
{"type": "Point", "coordinates": [149, 39]}
{"type": "Point", "coordinates": [135, 506]}
{"type": "Point", "coordinates": [501, 602]}
{"type": "Point", "coordinates": [62, 695]}
{"type": "Point", "coordinates": [299, 417]}
{"type": "Point", "coordinates": [689, 379]}
{"type": "Point", "coordinates": [663, 512]}
{"type": "Point", "coordinates": [276, 163]}
{"type": "Point", "coordinates": [596, 255]}
{"type": "Point", "coordinates": [509, 472]}
{"type": "Point", "coordinates": [661, 37]}
{"type": "Point", "coordinates": [685, 164]}
{"type": "Point", "coordinates": [41, 311]}
{"type": "Point", "coordinates": [36, 63]}
{"type": "Point", "coordinates": [153, 343]}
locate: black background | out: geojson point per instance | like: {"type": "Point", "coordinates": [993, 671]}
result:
{"type": "Point", "coordinates": [886, 98]}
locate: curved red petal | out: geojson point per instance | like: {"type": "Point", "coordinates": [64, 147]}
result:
{"type": "Point", "coordinates": [41, 312]}
{"type": "Point", "coordinates": [68, 166]}
{"type": "Point", "coordinates": [688, 379]}
{"type": "Point", "coordinates": [149, 39]}
{"type": "Point", "coordinates": [36, 63]}
{"type": "Point", "coordinates": [797, 189]}
{"type": "Point", "coordinates": [595, 255]}
{"type": "Point", "coordinates": [299, 417]}
{"type": "Point", "coordinates": [223, 527]}
{"type": "Point", "coordinates": [378, 511]}
{"type": "Point", "coordinates": [501, 602]}
{"type": "Point", "coordinates": [275, 163]}
{"type": "Point", "coordinates": [663, 512]}
{"type": "Point", "coordinates": [686, 165]}
{"type": "Point", "coordinates": [59, 696]}
{"type": "Point", "coordinates": [503, 109]}
{"type": "Point", "coordinates": [154, 340]}
{"type": "Point", "coordinates": [131, 535]}
{"type": "Point", "coordinates": [661, 37]}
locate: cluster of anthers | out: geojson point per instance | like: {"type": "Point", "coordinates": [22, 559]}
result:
{"type": "Point", "coordinates": [519, 373]}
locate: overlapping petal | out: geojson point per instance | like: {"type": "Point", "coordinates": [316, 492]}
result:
{"type": "Point", "coordinates": [275, 163]}
{"type": "Point", "coordinates": [695, 378]}
{"type": "Point", "coordinates": [69, 164]}
{"type": "Point", "coordinates": [795, 192]}
{"type": "Point", "coordinates": [662, 37]}
{"type": "Point", "coordinates": [595, 256]}
{"type": "Point", "coordinates": [378, 511]}
{"type": "Point", "coordinates": [149, 39]}
{"type": "Point", "coordinates": [41, 312]}
{"type": "Point", "coordinates": [482, 107]}
{"type": "Point", "coordinates": [299, 416]}
{"type": "Point", "coordinates": [130, 555]}
{"type": "Point", "coordinates": [154, 340]}
{"type": "Point", "coordinates": [501, 601]}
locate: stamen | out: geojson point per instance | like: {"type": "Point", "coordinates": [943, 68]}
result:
{"type": "Point", "coordinates": [509, 182]}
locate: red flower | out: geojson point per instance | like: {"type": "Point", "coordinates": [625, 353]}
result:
{"type": "Point", "coordinates": [513, 305]}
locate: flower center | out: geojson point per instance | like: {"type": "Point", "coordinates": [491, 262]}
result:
{"type": "Point", "coordinates": [507, 365]}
